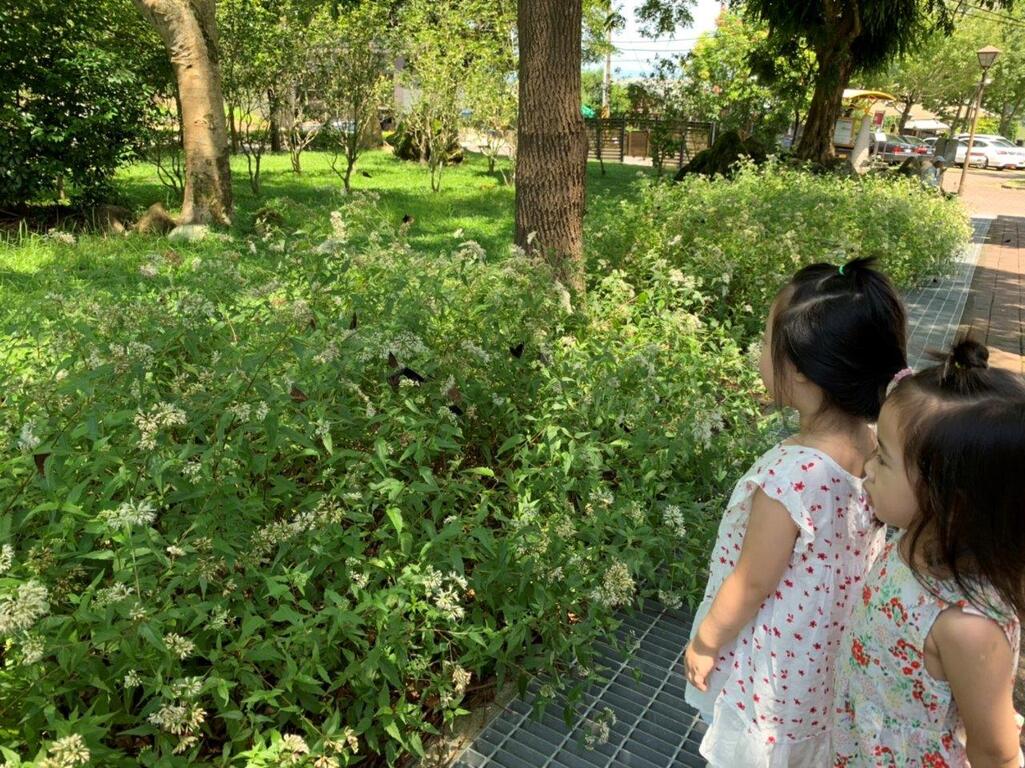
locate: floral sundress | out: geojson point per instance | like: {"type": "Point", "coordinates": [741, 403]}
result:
{"type": "Point", "coordinates": [890, 712]}
{"type": "Point", "coordinates": [769, 698]}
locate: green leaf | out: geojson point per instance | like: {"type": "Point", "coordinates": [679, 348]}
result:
{"type": "Point", "coordinates": [395, 515]}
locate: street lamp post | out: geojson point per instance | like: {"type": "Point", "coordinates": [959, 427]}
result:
{"type": "Point", "coordinates": [986, 56]}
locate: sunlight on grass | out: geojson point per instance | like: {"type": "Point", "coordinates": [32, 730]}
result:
{"type": "Point", "coordinates": [472, 205]}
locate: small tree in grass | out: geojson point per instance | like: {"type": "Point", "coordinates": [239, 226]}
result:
{"type": "Point", "coordinates": [436, 55]}
{"type": "Point", "coordinates": [352, 52]}
{"type": "Point", "coordinates": [451, 46]}
{"type": "Point", "coordinates": [250, 63]}
{"type": "Point", "coordinates": [493, 115]}
{"type": "Point", "coordinates": [298, 97]}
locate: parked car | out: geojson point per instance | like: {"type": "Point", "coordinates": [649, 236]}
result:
{"type": "Point", "coordinates": [1000, 153]}
{"type": "Point", "coordinates": [892, 148]}
{"type": "Point", "coordinates": [918, 146]}
{"type": "Point", "coordinates": [978, 157]}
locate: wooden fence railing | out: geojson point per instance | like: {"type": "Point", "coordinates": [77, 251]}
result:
{"type": "Point", "coordinates": [618, 138]}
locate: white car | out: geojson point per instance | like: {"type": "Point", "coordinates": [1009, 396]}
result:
{"type": "Point", "coordinates": [999, 152]}
{"type": "Point", "coordinates": [978, 156]}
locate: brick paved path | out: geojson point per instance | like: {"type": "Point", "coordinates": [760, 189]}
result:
{"type": "Point", "coordinates": [995, 310]}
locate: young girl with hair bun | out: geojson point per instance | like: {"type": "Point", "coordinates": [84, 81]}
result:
{"type": "Point", "coordinates": [797, 537]}
{"type": "Point", "coordinates": [926, 673]}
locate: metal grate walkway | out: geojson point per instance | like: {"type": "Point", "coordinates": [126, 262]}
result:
{"type": "Point", "coordinates": [654, 727]}
{"type": "Point", "coordinates": [934, 312]}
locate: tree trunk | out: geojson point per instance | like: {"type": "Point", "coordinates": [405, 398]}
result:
{"type": "Point", "coordinates": [272, 123]}
{"type": "Point", "coordinates": [905, 113]}
{"type": "Point", "coordinates": [551, 158]}
{"type": "Point", "coordinates": [835, 66]}
{"type": "Point", "coordinates": [1008, 112]}
{"type": "Point", "coordinates": [233, 129]}
{"type": "Point", "coordinates": [956, 122]}
{"type": "Point", "coordinates": [189, 31]}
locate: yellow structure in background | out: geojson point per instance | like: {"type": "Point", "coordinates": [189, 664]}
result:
{"type": "Point", "coordinates": [857, 147]}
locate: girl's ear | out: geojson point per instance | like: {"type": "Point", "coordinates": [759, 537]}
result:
{"type": "Point", "coordinates": [797, 376]}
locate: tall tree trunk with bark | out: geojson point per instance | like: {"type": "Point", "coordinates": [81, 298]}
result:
{"type": "Point", "coordinates": [273, 123]}
{"type": "Point", "coordinates": [905, 113]}
{"type": "Point", "coordinates": [835, 65]}
{"type": "Point", "coordinates": [233, 129]}
{"type": "Point", "coordinates": [956, 123]}
{"type": "Point", "coordinates": [551, 158]}
{"type": "Point", "coordinates": [1008, 113]}
{"type": "Point", "coordinates": [189, 31]}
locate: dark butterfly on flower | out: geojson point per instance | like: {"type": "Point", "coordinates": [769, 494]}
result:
{"type": "Point", "coordinates": [517, 351]}
{"type": "Point", "coordinates": [298, 395]}
{"type": "Point", "coordinates": [456, 397]}
{"type": "Point", "coordinates": [40, 459]}
{"type": "Point", "coordinates": [405, 371]}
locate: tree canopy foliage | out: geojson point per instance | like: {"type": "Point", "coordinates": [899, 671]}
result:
{"type": "Point", "coordinates": [74, 97]}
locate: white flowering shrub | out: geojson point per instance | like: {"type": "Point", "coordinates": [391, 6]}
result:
{"type": "Point", "coordinates": [739, 240]}
{"type": "Point", "coordinates": [292, 507]}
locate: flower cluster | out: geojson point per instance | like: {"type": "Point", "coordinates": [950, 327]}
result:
{"type": "Point", "coordinates": [444, 591]}
{"type": "Point", "coordinates": [617, 587]}
{"type": "Point", "coordinates": [123, 356]}
{"type": "Point", "coordinates": [180, 646]}
{"type": "Point", "coordinates": [6, 558]}
{"type": "Point", "coordinates": [112, 595]}
{"type": "Point", "coordinates": [672, 518]}
{"type": "Point", "coordinates": [20, 612]}
{"type": "Point", "coordinates": [160, 416]}
{"type": "Point", "coordinates": [66, 753]}
{"type": "Point", "coordinates": [293, 749]}
{"type": "Point", "coordinates": [130, 514]}
{"type": "Point", "coordinates": [181, 720]}
{"type": "Point", "coordinates": [705, 426]}
{"type": "Point", "coordinates": [27, 441]}
{"type": "Point", "coordinates": [460, 680]}
{"type": "Point", "coordinates": [64, 238]}
{"type": "Point", "coordinates": [327, 512]}
{"type": "Point", "coordinates": [600, 728]}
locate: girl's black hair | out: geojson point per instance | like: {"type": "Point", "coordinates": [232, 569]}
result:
{"type": "Point", "coordinates": [964, 448]}
{"type": "Point", "coordinates": [846, 330]}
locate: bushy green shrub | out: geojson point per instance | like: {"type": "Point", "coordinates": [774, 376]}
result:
{"type": "Point", "coordinates": [741, 239]}
{"type": "Point", "coordinates": [292, 504]}
{"type": "Point", "coordinates": [75, 96]}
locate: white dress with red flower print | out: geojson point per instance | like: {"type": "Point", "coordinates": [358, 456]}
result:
{"type": "Point", "coordinates": [769, 700]}
{"type": "Point", "coordinates": [890, 712]}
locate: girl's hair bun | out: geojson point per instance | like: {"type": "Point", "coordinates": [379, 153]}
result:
{"type": "Point", "coordinates": [964, 372]}
{"type": "Point", "coordinates": [968, 354]}
{"type": "Point", "coordinates": [857, 266]}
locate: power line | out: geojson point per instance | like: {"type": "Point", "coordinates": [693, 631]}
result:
{"type": "Point", "coordinates": [996, 15]}
{"type": "Point", "coordinates": [980, 12]}
{"type": "Point", "coordinates": [659, 40]}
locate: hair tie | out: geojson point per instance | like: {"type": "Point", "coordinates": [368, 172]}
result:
{"type": "Point", "coordinates": [841, 269]}
{"type": "Point", "coordinates": [898, 377]}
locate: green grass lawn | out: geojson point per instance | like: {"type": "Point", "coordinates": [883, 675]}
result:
{"type": "Point", "coordinates": [104, 267]}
